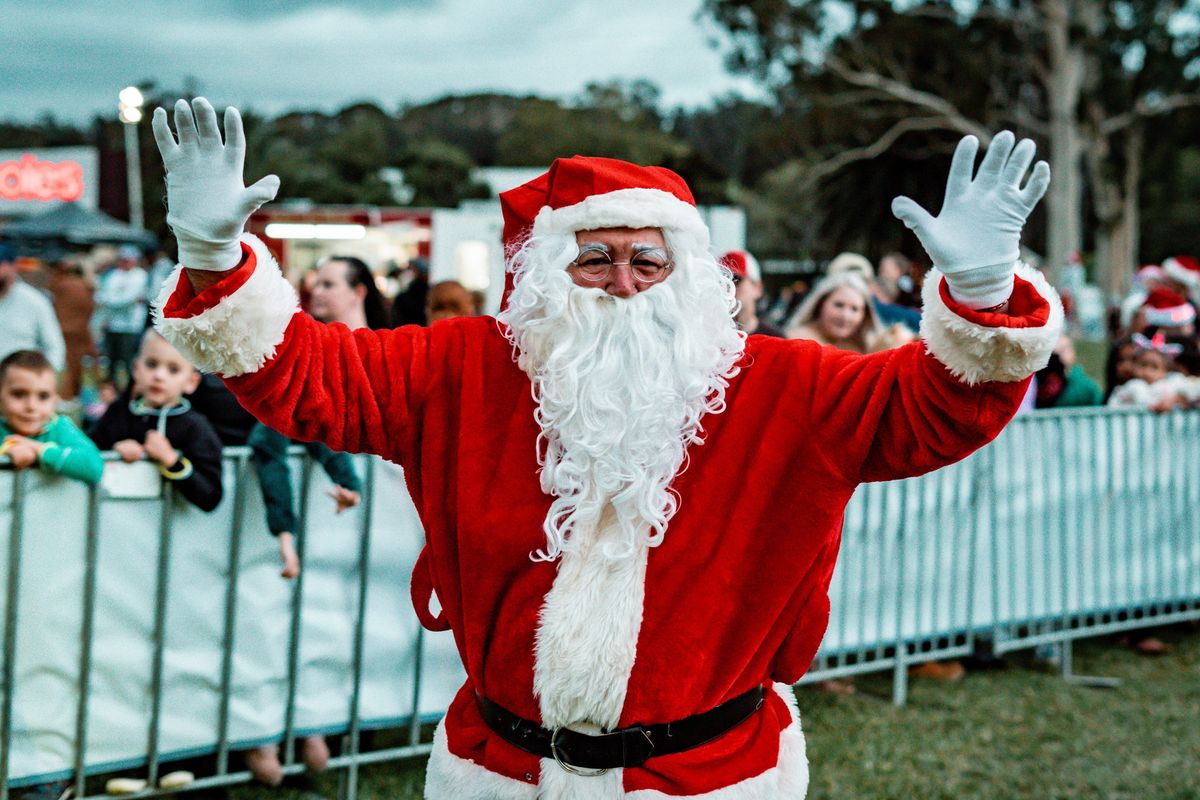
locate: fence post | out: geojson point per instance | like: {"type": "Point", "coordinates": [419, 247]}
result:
{"type": "Point", "coordinates": [229, 633]}
{"type": "Point", "coordinates": [10, 625]}
{"type": "Point", "coordinates": [364, 564]}
{"type": "Point", "coordinates": [160, 633]}
{"type": "Point", "coordinates": [293, 667]}
{"type": "Point", "coordinates": [86, 635]}
{"type": "Point", "coordinates": [900, 668]}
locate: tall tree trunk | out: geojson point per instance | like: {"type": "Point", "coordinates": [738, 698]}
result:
{"type": "Point", "coordinates": [1126, 250]}
{"type": "Point", "coordinates": [1063, 76]}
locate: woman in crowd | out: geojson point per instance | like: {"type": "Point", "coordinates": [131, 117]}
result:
{"type": "Point", "coordinates": [838, 312]}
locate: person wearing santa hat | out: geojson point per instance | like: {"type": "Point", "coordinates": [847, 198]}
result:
{"type": "Point", "coordinates": [1183, 274]}
{"type": "Point", "coordinates": [1167, 311]}
{"type": "Point", "coordinates": [748, 290]}
{"type": "Point", "coordinates": [629, 608]}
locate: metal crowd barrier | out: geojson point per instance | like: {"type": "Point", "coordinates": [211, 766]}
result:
{"type": "Point", "coordinates": [1072, 524]}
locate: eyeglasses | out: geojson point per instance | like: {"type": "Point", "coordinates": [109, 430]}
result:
{"type": "Point", "coordinates": [594, 263]}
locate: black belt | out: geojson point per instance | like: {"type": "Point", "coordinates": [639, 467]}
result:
{"type": "Point", "coordinates": [624, 747]}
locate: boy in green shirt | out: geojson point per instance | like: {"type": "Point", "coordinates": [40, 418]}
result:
{"type": "Point", "coordinates": [30, 430]}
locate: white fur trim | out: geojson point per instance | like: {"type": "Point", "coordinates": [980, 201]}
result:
{"type": "Point", "coordinates": [1180, 273]}
{"type": "Point", "coordinates": [448, 777]}
{"type": "Point", "coordinates": [587, 635]}
{"type": "Point", "coordinates": [787, 780]}
{"type": "Point", "coordinates": [977, 353]}
{"type": "Point", "coordinates": [586, 645]}
{"type": "Point", "coordinates": [240, 332]}
{"type": "Point", "coordinates": [624, 208]}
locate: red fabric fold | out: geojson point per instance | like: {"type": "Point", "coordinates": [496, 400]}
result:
{"type": "Point", "coordinates": [184, 303]}
{"type": "Point", "coordinates": [1026, 308]}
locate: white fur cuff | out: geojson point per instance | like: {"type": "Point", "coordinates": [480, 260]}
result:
{"type": "Point", "coordinates": [241, 331]}
{"type": "Point", "coordinates": [977, 353]}
{"type": "Point", "coordinates": [623, 208]}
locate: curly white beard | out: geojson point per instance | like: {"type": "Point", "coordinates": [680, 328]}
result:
{"type": "Point", "coordinates": [621, 386]}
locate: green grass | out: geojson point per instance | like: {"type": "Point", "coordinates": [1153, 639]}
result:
{"type": "Point", "coordinates": [1014, 734]}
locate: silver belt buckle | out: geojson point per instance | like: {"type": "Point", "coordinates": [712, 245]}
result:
{"type": "Point", "coordinates": [581, 771]}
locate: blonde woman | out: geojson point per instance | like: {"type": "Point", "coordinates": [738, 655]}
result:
{"type": "Point", "coordinates": [838, 312]}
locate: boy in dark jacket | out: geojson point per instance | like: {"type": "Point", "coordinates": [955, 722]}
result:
{"type": "Point", "coordinates": [159, 423]}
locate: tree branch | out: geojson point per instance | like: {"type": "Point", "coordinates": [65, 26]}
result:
{"type": "Point", "coordinates": [950, 116]}
{"type": "Point", "coordinates": [824, 169]}
{"type": "Point", "coordinates": [1145, 108]}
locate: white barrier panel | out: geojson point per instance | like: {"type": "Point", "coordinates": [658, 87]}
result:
{"type": "Point", "coordinates": [50, 611]}
{"type": "Point", "coordinates": [1068, 515]}
{"type": "Point", "coordinates": [1069, 521]}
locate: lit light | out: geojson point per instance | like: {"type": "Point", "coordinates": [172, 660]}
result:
{"type": "Point", "coordinates": [131, 96]}
{"type": "Point", "coordinates": [295, 230]}
{"type": "Point", "coordinates": [130, 115]}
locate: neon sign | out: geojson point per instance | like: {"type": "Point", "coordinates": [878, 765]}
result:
{"type": "Point", "coordinates": [31, 179]}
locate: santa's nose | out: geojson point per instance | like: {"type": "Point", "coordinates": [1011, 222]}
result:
{"type": "Point", "coordinates": [621, 282]}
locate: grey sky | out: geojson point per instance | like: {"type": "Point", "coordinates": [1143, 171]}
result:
{"type": "Point", "coordinates": [71, 57]}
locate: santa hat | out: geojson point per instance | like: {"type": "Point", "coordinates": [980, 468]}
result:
{"type": "Point", "coordinates": [1185, 269]}
{"type": "Point", "coordinates": [1164, 308]}
{"type": "Point", "coordinates": [585, 193]}
{"type": "Point", "coordinates": [1149, 272]}
{"type": "Point", "coordinates": [742, 265]}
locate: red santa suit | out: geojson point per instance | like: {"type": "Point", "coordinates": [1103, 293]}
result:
{"type": "Point", "coordinates": [736, 594]}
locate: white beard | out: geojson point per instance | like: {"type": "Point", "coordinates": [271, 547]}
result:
{"type": "Point", "coordinates": [621, 385]}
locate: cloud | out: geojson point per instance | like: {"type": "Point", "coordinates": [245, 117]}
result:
{"type": "Point", "coordinates": [71, 58]}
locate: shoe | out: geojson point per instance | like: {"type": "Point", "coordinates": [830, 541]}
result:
{"type": "Point", "coordinates": [315, 753]}
{"type": "Point", "coordinates": [263, 763]}
{"type": "Point", "coordinates": [949, 671]}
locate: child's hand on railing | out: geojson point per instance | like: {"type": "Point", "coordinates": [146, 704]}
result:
{"type": "Point", "coordinates": [344, 498]}
{"type": "Point", "coordinates": [159, 448]}
{"type": "Point", "coordinates": [23, 452]}
{"type": "Point", "coordinates": [129, 450]}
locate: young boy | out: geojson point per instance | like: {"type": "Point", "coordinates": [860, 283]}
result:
{"type": "Point", "coordinates": [30, 430]}
{"type": "Point", "coordinates": [159, 423]}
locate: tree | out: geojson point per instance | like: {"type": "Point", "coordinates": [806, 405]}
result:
{"type": "Point", "coordinates": [440, 175]}
{"type": "Point", "coordinates": [1081, 75]}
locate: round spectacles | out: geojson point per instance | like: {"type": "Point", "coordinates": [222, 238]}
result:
{"type": "Point", "coordinates": [647, 265]}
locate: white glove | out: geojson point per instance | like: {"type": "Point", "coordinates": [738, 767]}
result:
{"type": "Point", "coordinates": [975, 240]}
{"type": "Point", "coordinates": [207, 202]}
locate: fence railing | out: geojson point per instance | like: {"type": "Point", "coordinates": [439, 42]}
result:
{"type": "Point", "coordinates": [139, 631]}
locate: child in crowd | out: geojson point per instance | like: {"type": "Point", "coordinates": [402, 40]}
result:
{"type": "Point", "coordinates": [1154, 385]}
{"type": "Point", "coordinates": [31, 432]}
{"type": "Point", "coordinates": [159, 423]}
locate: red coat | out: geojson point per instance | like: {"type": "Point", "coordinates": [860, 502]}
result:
{"type": "Point", "coordinates": [736, 595]}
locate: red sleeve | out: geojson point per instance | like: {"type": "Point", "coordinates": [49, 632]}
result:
{"type": "Point", "coordinates": [355, 391]}
{"type": "Point", "coordinates": [902, 412]}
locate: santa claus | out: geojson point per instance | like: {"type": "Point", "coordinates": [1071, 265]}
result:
{"type": "Point", "coordinates": [632, 509]}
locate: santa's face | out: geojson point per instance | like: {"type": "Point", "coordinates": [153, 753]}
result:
{"type": "Point", "coordinates": [620, 261]}
{"type": "Point", "coordinates": [623, 371]}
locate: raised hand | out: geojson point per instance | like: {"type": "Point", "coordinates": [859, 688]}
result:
{"type": "Point", "coordinates": [207, 201]}
{"type": "Point", "coordinates": [975, 239]}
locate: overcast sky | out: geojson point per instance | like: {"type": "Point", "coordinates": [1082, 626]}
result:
{"type": "Point", "coordinates": [71, 57]}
